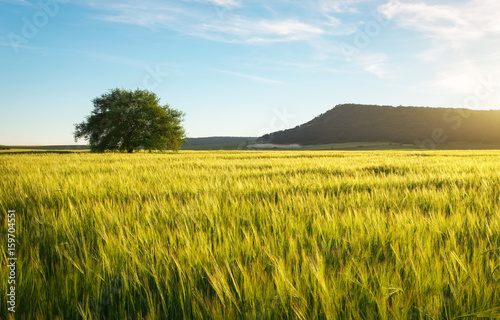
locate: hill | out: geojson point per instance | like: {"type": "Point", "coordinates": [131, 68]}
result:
{"type": "Point", "coordinates": [406, 125]}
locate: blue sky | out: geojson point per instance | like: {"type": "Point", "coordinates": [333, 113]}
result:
{"type": "Point", "coordinates": [241, 67]}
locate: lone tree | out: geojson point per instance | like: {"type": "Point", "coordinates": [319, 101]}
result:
{"type": "Point", "coordinates": [129, 120]}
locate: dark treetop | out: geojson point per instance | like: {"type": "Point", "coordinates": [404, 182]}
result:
{"type": "Point", "coordinates": [130, 120]}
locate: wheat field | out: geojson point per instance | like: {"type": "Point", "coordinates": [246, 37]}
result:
{"type": "Point", "coordinates": [254, 234]}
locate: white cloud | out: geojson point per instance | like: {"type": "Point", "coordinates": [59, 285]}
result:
{"type": "Point", "coordinates": [315, 23]}
{"type": "Point", "coordinates": [455, 24]}
{"type": "Point", "coordinates": [224, 3]}
{"type": "Point", "coordinates": [39, 50]}
{"type": "Point", "coordinates": [461, 39]}
{"type": "Point", "coordinates": [247, 30]}
{"type": "Point", "coordinates": [454, 81]}
{"type": "Point", "coordinates": [144, 14]}
{"type": "Point", "coordinates": [207, 24]}
{"type": "Point", "coordinates": [18, 2]}
{"type": "Point", "coordinates": [375, 64]}
{"type": "Point", "coordinates": [339, 6]}
{"type": "Point", "coordinates": [442, 22]}
{"type": "Point", "coordinates": [462, 76]}
{"type": "Point", "coordinates": [431, 54]}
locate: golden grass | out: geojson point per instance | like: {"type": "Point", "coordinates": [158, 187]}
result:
{"type": "Point", "coordinates": [255, 235]}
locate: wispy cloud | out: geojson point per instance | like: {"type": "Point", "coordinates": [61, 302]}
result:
{"type": "Point", "coordinates": [224, 3]}
{"type": "Point", "coordinates": [18, 2]}
{"type": "Point", "coordinates": [315, 23]}
{"type": "Point", "coordinates": [436, 21]}
{"type": "Point", "coordinates": [339, 6]}
{"type": "Point", "coordinates": [39, 50]}
{"type": "Point", "coordinates": [374, 63]}
{"type": "Point", "coordinates": [204, 19]}
{"type": "Point", "coordinates": [243, 29]}
{"type": "Point", "coordinates": [145, 14]}
{"type": "Point", "coordinates": [456, 24]}
{"type": "Point", "coordinates": [462, 36]}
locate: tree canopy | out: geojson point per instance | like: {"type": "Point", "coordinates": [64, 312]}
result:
{"type": "Point", "coordinates": [130, 120]}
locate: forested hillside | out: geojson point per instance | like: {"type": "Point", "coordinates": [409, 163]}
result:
{"type": "Point", "coordinates": [353, 123]}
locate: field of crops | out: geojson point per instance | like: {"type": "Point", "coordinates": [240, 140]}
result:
{"type": "Point", "coordinates": [254, 235]}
